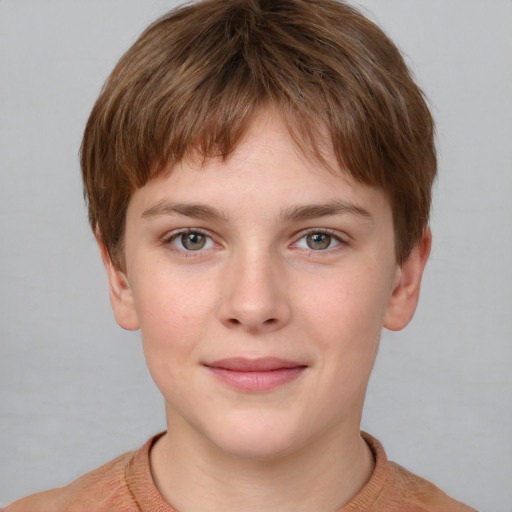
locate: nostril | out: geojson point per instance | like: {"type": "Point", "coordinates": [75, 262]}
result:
{"type": "Point", "coordinates": [235, 321]}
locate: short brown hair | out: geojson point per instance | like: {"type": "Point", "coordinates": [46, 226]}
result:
{"type": "Point", "coordinates": [195, 78]}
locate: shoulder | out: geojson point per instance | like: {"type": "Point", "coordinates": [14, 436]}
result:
{"type": "Point", "coordinates": [100, 490]}
{"type": "Point", "coordinates": [422, 494]}
{"type": "Point", "coordinates": [395, 488]}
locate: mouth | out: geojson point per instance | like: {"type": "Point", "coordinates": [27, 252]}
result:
{"type": "Point", "coordinates": [255, 375]}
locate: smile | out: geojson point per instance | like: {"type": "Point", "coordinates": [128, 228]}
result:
{"type": "Point", "coordinates": [255, 375]}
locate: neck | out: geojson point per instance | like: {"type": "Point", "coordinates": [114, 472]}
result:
{"type": "Point", "coordinates": [192, 476]}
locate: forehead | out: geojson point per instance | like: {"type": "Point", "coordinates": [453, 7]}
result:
{"type": "Point", "coordinates": [268, 169]}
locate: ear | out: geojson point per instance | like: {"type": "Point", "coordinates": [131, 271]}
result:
{"type": "Point", "coordinates": [406, 290]}
{"type": "Point", "coordinates": [121, 296]}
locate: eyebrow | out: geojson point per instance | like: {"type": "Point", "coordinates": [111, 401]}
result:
{"type": "Point", "coordinates": [312, 211]}
{"type": "Point", "coordinates": [294, 214]}
{"type": "Point", "coordinates": [197, 211]}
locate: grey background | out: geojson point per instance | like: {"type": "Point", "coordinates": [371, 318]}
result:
{"type": "Point", "coordinates": [74, 390]}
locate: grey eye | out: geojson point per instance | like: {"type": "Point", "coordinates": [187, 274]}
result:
{"type": "Point", "coordinates": [318, 241]}
{"type": "Point", "coordinates": [193, 241]}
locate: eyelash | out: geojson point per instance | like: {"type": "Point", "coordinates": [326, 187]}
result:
{"type": "Point", "coordinates": [169, 239]}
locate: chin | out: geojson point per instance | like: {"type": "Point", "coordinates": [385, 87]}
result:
{"type": "Point", "coordinates": [257, 449]}
{"type": "Point", "coordinates": [257, 440]}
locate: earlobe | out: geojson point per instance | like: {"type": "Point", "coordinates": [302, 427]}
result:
{"type": "Point", "coordinates": [406, 290]}
{"type": "Point", "coordinates": [121, 297]}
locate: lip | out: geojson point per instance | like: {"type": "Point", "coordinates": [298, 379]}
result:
{"type": "Point", "coordinates": [256, 375]}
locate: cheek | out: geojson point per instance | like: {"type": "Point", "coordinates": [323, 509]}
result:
{"type": "Point", "coordinates": [345, 319]}
{"type": "Point", "coordinates": [347, 307]}
{"type": "Point", "coordinates": [166, 297]}
{"type": "Point", "coordinates": [173, 313]}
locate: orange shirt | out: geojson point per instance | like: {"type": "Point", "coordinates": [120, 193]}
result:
{"type": "Point", "coordinates": [125, 484]}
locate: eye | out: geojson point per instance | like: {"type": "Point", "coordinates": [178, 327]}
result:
{"type": "Point", "coordinates": [318, 241]}
{"type": "Point", "coordinates": [191, 241]}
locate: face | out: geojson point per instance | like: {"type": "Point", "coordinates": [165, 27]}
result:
{"type": "Point", "coordinates": [261, 286]}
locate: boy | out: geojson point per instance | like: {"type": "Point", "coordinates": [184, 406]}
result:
{"type": "Point", "coordinates": [258, 176]}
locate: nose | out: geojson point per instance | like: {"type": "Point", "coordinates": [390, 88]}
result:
{"type": "Point", "coordinates": [255, 297]}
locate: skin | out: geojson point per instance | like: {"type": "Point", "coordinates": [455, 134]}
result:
{"type": "Point", "coordinates": [257, 289]}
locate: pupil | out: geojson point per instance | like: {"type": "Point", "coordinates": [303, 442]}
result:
{"type": "Point", "coordinates": [193, 241]}
{"type": "Point", "coordinates": [318, 241]}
